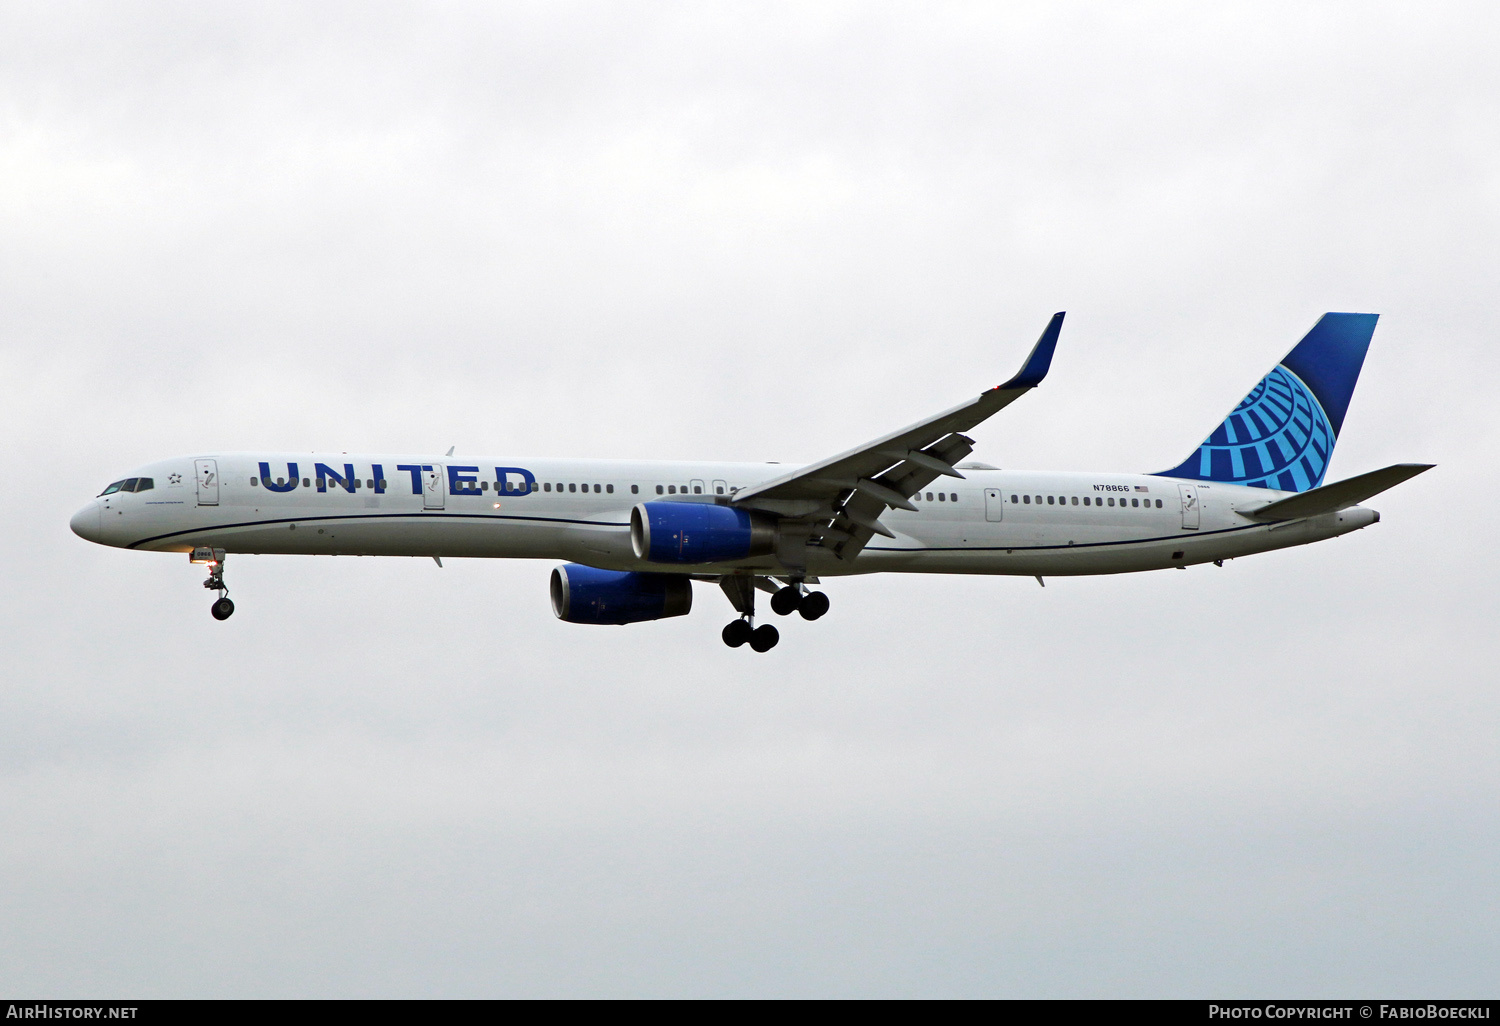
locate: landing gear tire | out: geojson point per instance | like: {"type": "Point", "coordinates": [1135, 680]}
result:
{"type": "Point", "coordinates": [786, 601]}
{"type": "Point", "coordinates": [814, 604]}
{"type": "Point", "coordinates": [222, 609]}
{"type": "Point", "coordinates": [736, 633]}
{"type": "Point", "coordinates": [764, 638]}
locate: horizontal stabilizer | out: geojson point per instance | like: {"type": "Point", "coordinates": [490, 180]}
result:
{"type": "Point", "coordinates": [1339, 495]}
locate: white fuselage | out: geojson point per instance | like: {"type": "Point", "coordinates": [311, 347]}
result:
{"type": "Point", "coordinates": [990, 522]}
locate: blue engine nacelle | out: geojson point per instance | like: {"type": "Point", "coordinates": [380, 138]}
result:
{"type": "Point", "coordinates": [697, 532]}
{"type": "Point", "coordinates": [583, 594]}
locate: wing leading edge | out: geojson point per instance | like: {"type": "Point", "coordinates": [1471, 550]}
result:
{"type": "Point", "coordinates": [837, 503]}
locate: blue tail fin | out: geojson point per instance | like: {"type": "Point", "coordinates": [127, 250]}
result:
{"type": "Point", "coordinates": [1281, 436]}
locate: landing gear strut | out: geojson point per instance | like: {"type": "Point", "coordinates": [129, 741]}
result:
{"type": "Point", "coordinates": [222, 609]}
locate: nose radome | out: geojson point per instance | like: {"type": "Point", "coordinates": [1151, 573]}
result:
{"type": "Point", "coordinates": [85, 522]}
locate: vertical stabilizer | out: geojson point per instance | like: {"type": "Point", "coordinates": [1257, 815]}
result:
{"type": "Point", "coordinates": [1282, 434]}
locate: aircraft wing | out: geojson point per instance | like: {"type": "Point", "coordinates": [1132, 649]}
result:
{"type": "Point", "coordinates": [837, 503]}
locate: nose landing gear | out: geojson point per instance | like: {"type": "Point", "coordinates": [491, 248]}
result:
{"type": "Point", "coordinates": [223, 608]}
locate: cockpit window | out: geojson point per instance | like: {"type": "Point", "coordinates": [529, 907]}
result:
{"type": "Point", "coordinates": [130, 484]}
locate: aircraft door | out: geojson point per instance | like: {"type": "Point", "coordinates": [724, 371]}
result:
{"type": "Point", "coordinates": [698, 487]}
{"type": "Point", "coordinates": [208, 481]}
{"type": "Point", "coordinates": [1189, 506]}
{"type": "Point", "coordinates": [721, 487]}
{"type": "Point", "coordinates": [434, 487]}
{"type": "Point", "coordinates": [994, 505]}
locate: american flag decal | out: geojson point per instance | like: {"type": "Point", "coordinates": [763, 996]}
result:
{"type": "Point", "coordinates": [1142, 488]}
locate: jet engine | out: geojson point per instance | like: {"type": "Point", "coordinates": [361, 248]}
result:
{"type": "Point", "coordinates": [584, 594]}
{"type": "Point", "coordinates": [698, 532]}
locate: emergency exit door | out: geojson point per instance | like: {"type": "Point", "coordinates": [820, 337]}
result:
{"type": "Point", "coordinates": [1189, 506]}
{"type": "Point", "coordinates": [434, 488]}
{"type": "Point", "coordinates": [208, 481]}
{"type": "Point", "coordinates": [994, 504]}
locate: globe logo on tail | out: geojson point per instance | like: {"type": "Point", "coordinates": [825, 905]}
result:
{"type": "Point", "coordinates": [1278, 437]}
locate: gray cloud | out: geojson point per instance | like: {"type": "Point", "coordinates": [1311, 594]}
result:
{"type": "Point", "coordinates": [747, 232]}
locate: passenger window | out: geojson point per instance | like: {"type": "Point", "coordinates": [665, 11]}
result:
{"type": "Point", "coordinates": [1038, 500]}
{"type": "Point", "coordinates": [609, 489]}
{"type": "Point", "coordinates": [572, 487]}
{"type": "Point", "coordinates": [635, 489]}
{"type": "Point", "coordinates": [1112, 501]}
{"type": "Point", "coordinates": [719, 489]}
{"type": "Point", "coordinates": [484, 486]}
{"type": "Point", "coordinates": [596, 489]}
{"type": "Point", "coordinates": [697, 489]}
{"type": "Point", "coordinates": [254, 482]}
{"type": "Point", "coordinates": [1049, 500]}
{"type": "Point", "coordinates": [942, 497]}
{"type": "Point", "coordinates": [546, 486]}
{"type": "Point", "coordinates": [1086, 501]}
{"type": "Point", "coordinates": [659, 489]}
{"type": "Point", "coordinates": [671, 489]}
{"type": "Point", "coordinates": [370, 483]}
{"type": "Point", "coordinates": [1028, 500]}
{"type": "Point", "coordinates": [322, 482]}
{"type": "Point", "coordinates": [1158, 504]}
{"type": "Point", "coordinates": [1014, 498]}
{"type": "Point", "coordinates": [1135, 502]}
{"type": "Point", "coordinates": [1075, 500]}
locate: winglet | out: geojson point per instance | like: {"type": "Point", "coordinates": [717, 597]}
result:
{"type": "Point", "coordinates": [1040, 359]}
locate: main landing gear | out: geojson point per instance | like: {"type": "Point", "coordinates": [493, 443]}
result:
{"type": "Point", "coordinates": [793, 597]}
{"type": "Point", "coordinates": [222, 609]}
{"type": "Point", "coordinates": [740, 632]}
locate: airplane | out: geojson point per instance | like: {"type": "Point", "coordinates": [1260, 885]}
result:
{"type": "Point", "coordinates": [635, 535]}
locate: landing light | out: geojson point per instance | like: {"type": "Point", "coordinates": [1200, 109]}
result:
{"type": "Point", "coordinates": [207, 556]}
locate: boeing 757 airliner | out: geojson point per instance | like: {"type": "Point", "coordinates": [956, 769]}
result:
{"type": "Point", "coordinates": [634, 535]}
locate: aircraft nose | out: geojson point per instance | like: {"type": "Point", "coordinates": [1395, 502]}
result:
{"type": "Point", "coordinates": [85, 522]}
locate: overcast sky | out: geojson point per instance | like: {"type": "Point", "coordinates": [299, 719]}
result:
{"type": "Point", "coordinates": [765, 232]}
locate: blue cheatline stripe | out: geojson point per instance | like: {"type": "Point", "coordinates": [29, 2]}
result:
{"type": "Point", "coordinates": [427, 515]}
{"type": "Point", "coordinates": [1080, 545]}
